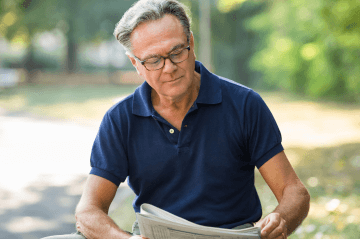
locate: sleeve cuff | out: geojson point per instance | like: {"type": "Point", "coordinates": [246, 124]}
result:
{"type": "Point", "coordinates": [105, 174]}
{"type": "Point", "coordinates": [275, 150]}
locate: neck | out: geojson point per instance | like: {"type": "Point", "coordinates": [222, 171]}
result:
{"type": "Point", "coordinates": [179, 103]}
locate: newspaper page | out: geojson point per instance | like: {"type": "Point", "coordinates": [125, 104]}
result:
{"type": "Point", "coordinates": [151, 210]}
{"type": "Point", "coordinates": [168, 226]}
{"type": "Point", "coordinates": [160, 229]}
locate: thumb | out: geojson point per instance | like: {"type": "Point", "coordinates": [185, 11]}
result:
{"type": "Point", "coordinates": [261, 224]}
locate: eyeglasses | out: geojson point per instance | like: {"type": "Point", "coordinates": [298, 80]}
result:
{"type": "Point", "coordinates": [156, 63]}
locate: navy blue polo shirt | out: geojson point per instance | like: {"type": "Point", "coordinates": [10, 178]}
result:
{"type": "Point", "coordinates": [203, 173]}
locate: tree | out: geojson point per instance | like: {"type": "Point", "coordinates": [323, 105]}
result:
{"type": "Point", "coordinates": [80, 20]}
{"type": "Point", "coordinates": [310, 47]}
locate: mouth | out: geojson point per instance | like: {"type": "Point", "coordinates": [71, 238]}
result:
{"type": "Point", "coordinates": [175, 79]}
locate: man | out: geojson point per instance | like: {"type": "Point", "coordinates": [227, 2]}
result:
{"type": "Point", "coordinates": [187, 140]}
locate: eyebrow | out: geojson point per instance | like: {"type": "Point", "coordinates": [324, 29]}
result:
{"type": "Point", "coordinates": [181, 45]}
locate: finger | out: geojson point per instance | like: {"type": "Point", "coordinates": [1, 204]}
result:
{"type": "Point", "coordinates": [270, 226]}
{"type": "Point", "coordinates": [261, 224]}
{"type": "Point", "coordinates": [137, 237]}
{"type": "Point", "coordinates": [281, 230]}
{"type": "Point", "coordinates": [282, 236]}
{"type": "Point", "coordinates": [78, 227]}
{"type": "Point", "coordinates": [277, 233]}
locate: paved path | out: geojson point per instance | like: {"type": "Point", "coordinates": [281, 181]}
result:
{"type": "Point", "coordinates": [44, 166]}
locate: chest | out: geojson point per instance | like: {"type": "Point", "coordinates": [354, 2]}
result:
{"type": "Point", "coordinates": [201, 158]}
{"type": "Point", "coordinates": [175, 118]}
{"type": "Point", "coordinates": [210, 143]}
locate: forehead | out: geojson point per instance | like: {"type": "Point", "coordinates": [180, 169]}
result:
{"type": "Point", "coordinates": [157, 37]}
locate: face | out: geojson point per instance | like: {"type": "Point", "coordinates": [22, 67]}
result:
{"type": "Point", "coordinates": [160, 38]}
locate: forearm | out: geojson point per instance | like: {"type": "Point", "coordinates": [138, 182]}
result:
{"type": "Point", "coordinates": [294, 206]}
{"type": "Point", "coordinates": [95, 223]}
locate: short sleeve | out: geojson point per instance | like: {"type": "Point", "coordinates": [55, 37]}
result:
{"type": "Point", "coordinates": [108, 157]}
{"type": "Point", "coordinates": [263, 134]}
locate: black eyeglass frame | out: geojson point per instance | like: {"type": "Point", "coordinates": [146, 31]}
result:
{"type": "Point", "coordinates": [168, 57]}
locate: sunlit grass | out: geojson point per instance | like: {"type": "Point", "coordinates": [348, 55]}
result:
{"type": "Point", "coordinates": [14, 102]}
{"type": "Point", "coordinates": [124, 215]}
{"type": "Point", "coordinates": [331, 176]}
{"type": "Point", "coordinates": [64, 101]}
{"type": "Point", "coordinates": [91, 109]}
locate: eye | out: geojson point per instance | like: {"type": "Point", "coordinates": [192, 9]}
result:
{"type": "Point", "coordinates": [176, 52]}
{"type": "Point", "coordinates": [153, 60]}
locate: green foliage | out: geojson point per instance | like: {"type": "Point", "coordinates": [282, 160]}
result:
{"type": "Point", "coordinates": [91, 19]}
{"type": "Point", "coordinates": [79, 20]}
{"type": "Point", "coordinates": [310, 47]}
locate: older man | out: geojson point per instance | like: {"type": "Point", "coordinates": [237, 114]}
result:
{"type": "Point", "coordinates": [187, 139]}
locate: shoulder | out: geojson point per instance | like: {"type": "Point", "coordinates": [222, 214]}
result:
{"type": "Point", "coordinates": [117, 116]}
{"type": "Point", "coordinates": [122, 107]}
{"type": "Point", "coordinates": [238, 93]}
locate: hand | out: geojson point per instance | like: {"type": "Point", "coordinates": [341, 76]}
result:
{"type": "Point", "coordinates": [138, 237]}
{"type": "Point", "coordinates": [273, 226]}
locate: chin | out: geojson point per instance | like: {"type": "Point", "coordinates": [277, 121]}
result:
{"type": "Point", "coordinates": [175, 92]}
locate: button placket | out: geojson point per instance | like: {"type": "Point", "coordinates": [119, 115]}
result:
{"type": "Point", "coordinates": [167, 128]}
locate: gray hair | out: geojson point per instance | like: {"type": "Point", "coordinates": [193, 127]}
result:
{"type": "Point", "coordinates": [147, 10]}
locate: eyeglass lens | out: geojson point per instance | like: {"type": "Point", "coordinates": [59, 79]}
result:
{"type": "Point", "coordinates": [176, 57]}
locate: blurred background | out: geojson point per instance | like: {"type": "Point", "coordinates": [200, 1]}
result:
{"type": "Point", "coordinates": [61, 69]}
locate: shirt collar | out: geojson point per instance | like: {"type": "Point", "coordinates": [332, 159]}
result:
{"type": "Point", "coordinates": [209, 93]}
{"type": "Point", "coordinates": [210, 90]}
{"type": "Point", "coordinates": [142, 105]}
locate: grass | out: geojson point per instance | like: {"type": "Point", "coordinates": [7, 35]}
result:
{"type": "Point", "coordinates": [331, 176]}
{"type": "Point", "coordinates": [329, 173]}
{"type": "Point", "coordinates": [63, 101]}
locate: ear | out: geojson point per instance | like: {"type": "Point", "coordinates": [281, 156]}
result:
{"type": "Point", "coordinates": [133, 62]}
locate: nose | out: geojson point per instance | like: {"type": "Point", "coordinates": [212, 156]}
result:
{"type": "Point", "coordinates": [169, 66]}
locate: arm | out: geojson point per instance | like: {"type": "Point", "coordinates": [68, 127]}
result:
{"type": "Point", "coordinates": [291, 194]}
{"type": "Point", "coordinates": [92, 218]}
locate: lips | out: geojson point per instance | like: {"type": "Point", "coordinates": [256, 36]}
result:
{"type": "Point", "coordinates": [174, 79]}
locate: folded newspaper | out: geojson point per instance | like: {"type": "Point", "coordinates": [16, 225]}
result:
{"type": "Point", "coordinates": [156, 223]}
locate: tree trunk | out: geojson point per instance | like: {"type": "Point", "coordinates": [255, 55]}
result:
{"type": "Point", "coordinates": [30, 64]}
{"type": "Point", "coordinates": [71, 57]}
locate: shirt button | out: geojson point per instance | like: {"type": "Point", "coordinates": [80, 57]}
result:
{"type": "Point", "coordinates": [171, 131]}
{"type": "Point", "coordinates": [185, 125]}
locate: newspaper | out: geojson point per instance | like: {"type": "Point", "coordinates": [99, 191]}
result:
{"type": "Point", "coordinates": [156, 223]}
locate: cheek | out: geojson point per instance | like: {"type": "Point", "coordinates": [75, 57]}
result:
{"type": "Point", "coordinates": [152, 78]}
{"type": "Point", "coordinates": [142, 71]}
